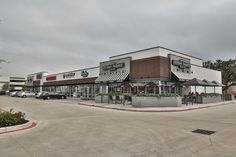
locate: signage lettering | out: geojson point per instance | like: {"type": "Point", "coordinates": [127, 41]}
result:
{"type": "Point", "coordinates": [68, 75]}
{"type": "Point", "coordinates": [113, 66]}
{"type": "Point", "coordinates": [181, 64]}
{"type": "Point", "coordinates": [51, 78]}
{"type": "Point", "coordinates": [84, 73]}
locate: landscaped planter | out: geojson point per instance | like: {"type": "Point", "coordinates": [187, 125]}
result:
{"type": "Point", "coordinates": [116, 100]}
{"type": "Point", "coordinates": [138, 101]}
{"type": "Point", "coordinates": [98, 99]}
{"type": "Point", "coordinates": [20, 127]}
{"type": "Point", "coordinates": [101, 99]}
{"type": "Point", "coordinates": [209, 99]}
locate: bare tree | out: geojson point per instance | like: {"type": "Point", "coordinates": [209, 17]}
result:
{"type": "Point", "coordinates": [3, 61]}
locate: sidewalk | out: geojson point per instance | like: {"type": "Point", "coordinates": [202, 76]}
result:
{"type": "Point", "coordinates": [152, 109]}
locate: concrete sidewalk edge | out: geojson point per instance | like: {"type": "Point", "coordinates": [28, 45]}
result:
{"type": "Point", "coordinates": [28, 125]}
{"type": "Point", "coordinates": [158, 109]}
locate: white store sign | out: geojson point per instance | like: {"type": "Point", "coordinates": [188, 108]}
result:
{"type": "Point", "coordinates": [78, 74]}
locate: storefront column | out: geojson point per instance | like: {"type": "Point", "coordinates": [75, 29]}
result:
{"type": "Point", "coordinates": [92, 91]}
{"type": "Point", "coordinates": [40, 89]}
{"type": "Point", "coordinates": [87, 92]}
{"type": "Point", "coordinates": [100, 89]}
{"type": "Point", "coordinates": [107, 89]}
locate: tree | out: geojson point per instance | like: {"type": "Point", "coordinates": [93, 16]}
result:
{"type": "Point", "coordinates": [24, 88]}
{"type": "Point", "coordinates": [2, 61]}
{"type": "Point", "coordinates": [228, 69]}
{"type": "Point", "coordinates": [5, 87]}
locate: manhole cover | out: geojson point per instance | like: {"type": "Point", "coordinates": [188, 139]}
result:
{"type": "Point", "coordinates": [204, 132]}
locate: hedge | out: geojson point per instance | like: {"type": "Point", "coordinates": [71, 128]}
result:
{"type": "Point", "coordinates": [12, 118]}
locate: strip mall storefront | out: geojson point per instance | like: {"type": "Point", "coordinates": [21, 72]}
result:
{"type": "Point", "coordinates": [35, 81]}
{"type": "Point", "coordinates": [154, 70]}
{"type": "Point", "coordinates": [79, 83]}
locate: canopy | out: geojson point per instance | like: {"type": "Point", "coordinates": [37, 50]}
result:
{"type": "Point", "coordinates": [151, 84]}
{"type": "Point", "coordinates": [209, 83]}
{"type": "Point", "coordinates": [182, 76]}
{"type": "Point", "coordinates": [175, 84]}
{"type": "Point", "coordinates": [137, 84]}
{"type": "Point", "coordinates": [195, 82]}
{"type": "Point", "coordinates": [218, 84]}
{"type": "Point", "coordinates": [112, 78]}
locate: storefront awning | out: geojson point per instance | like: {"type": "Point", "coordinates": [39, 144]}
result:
{"type": "Point", "coordinates": [218, 84]}
{"type": "Point", "coordinates": [182, 76]}
{"type": "Point", "coordinates": [209, 83]}
{"type": "Point", "coordinates": [195, 82]}
{"type": "Point", "coordinates": [112, 78]}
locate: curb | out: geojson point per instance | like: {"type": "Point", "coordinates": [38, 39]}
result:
{"type": "Point", "coordinates": [1, 110]}
{"type": "Point", "coordinates": [140, 110]}
{"type": "Point", "coordinates": [16, 128]}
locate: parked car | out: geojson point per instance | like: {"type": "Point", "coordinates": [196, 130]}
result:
{"type": "Point", "coordinates": [2, 92]}
{"type": "Point", "coordinates": [38, 95]}
{"type": "Point", "coordinates": [18, 93]}
{"type": "Point", "coordinates": [51, 95]}
{"type": "Point", "coordinates": [26, 94]}
{"type": "Point", "coordinates": [13, 94]}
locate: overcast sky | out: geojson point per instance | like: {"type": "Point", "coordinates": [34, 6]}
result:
{"type": "Point", "coordinates": [62, 35]}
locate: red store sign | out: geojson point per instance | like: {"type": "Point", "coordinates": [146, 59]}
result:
{"type": "Point", "coordinates": [51, 78]}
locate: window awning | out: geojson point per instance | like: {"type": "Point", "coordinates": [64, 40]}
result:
{"type": "Point", "coordinates": [182, 76]}
{"type": "Point", "coordinates": [112, 78]}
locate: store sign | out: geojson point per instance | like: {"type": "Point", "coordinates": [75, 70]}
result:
{"type": "Point", "coordinates": [69, 75]}
{"type": "Point", "coordinates": [84, 73]}
{"type": "Point", "coordinates": [181, 64]}
{"type": "Point", "coordinates": [51, 78]}
{"type": "Point", "coordinates": [117, 66]}
{"type": "Point", "coordinates": [113, 66]}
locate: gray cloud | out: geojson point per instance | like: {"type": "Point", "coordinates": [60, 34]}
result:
{"type": "Point", "coordinates": [60, 35]}
{"type": "Point", "coordinates": [2, 61]}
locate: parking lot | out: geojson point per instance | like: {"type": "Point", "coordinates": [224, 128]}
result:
{"type": "Point", "coordinates": [70, 130]}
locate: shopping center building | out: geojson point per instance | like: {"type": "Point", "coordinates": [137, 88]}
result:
{"type": "Point", "coordinates": [77, 83]}
{"type": "Point", "coordinates": [153, 70]}
{"type": "Point", "coordinates": [14, 83]}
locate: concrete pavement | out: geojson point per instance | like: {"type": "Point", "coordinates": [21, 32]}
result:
{"type": "Point", "coordinates": [122, 107]}
{"type": "Point", "coordinates": [70, 130]}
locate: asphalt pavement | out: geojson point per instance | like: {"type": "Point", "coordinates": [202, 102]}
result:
{"type": "Point", "coordinates": [71, 130]}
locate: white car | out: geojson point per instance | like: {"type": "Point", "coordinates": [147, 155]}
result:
{"type": "Point", "coordinates": [12, 94]}
{"type": "Point", "coordinates": [27, 94]}
{"type": "Point", "coordinates": [19, 93]}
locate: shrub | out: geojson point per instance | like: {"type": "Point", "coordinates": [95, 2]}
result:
{"type": "Point", "coordinates": [210, 94]}
{"type": "Point", "coordinates": [12, 118]}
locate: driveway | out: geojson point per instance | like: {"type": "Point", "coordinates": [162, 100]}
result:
{"type": "Point", "coordinates": [70, 130]}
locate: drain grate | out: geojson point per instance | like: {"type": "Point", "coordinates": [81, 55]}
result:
{"type": "Point", "coordinates": [204, 132]}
